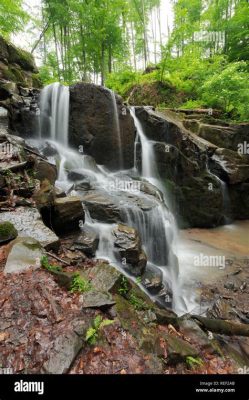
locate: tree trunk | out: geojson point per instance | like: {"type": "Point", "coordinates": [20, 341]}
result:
{"type": "Point", "coordinates": [102, 63]}
{"type": "Point", "coordinates": [222, 327]}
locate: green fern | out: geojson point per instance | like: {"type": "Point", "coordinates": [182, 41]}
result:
{"type": "Point", "coordinates": [92, 333]}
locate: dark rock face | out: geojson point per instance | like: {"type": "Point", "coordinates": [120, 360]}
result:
{"type": "Point", "coordinates": [128, 245]}
{"type": "Point", "coordinates": [67, 214]}
{"type": "Point", "coordinates": [19, 85]}
{"type": "Point", "coordinates": [230, 166]}
{"type": "Point", "coordinates": [92, 125]}
{"type": "Point", "coordinates": [229, 136]}
{"type": "Point", "coordinates": [87, 242]}
{"type": "Point", "coordinates": [193, 168]}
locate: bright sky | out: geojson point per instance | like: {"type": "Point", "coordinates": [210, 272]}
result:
{"type": "Point", "coordinates": [27, 38]}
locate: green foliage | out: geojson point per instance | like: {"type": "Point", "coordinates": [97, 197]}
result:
{"type": "Point", "coordinates": [12, 17]}
{"type": "Point", "coordinates": [124, 286]}
{"type": "Point", "coordinates": [51, 268]}
{"type": "Point", "coordinates": [136, 302]}
{"type": "Point", "coordinates": [79, 284]}
{"type": "Point", "coordinates": [194, 362]}
{"type": "Point", "coordinates": [229, 90]}
{"type": "Point", "coordinates": [93, 332]}
{"type": "Point", "coordinates": [122, 82]}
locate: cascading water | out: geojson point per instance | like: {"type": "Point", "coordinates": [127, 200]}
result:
{"type": "Point", "coordinates": [225, 196]}
{"type": "Point", "coordinates": [117, 128]}
{"type": "Point", "coordinates": [160, 224]}
{"type": "Point", "coordinates": [54, 112]}
{"type": "Point", "coordinates": [155, 224]}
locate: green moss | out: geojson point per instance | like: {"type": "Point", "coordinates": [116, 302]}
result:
{"type": "Point", "coordinates": [36, 81]}
{"type": "Point", "coordinates": [80, 284]}
{"type": "Point", "coordinates": [21, 57]}
{"type": "Point", "coordinates": [138, 303]}
{"type": "Point", "coordinates": [8, 75]}
{"type": "Point", "coordinates": [7, 231]}
{"type": "Point", "coordinates": [32, 246]}
{"type": "Point", "coordinates": [18, 74]}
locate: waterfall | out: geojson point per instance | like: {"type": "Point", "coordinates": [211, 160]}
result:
{"type": "Point", "coordinates": [225, 196]}
{"type": "Point", "coordinates": [54, 113]}
{"type": "Point", "coordinates": [116, 128]}
{"type": "Point", "coordinates": [155, 223]}
{"type": "Point", "coordinates": [148, 158]}
{"type": "Point", "coordinates": [158, 228]}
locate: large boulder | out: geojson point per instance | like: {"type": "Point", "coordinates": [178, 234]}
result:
{"type": "Point", "coordinates": [67, 214]}
{"type": "Point", "coordinates": [87, 242]}
{"type": "Point", "coordinates": [195, 171]}
{"type": "Point", "coordinates": [27, 221]}
{"type": "Point", "coordinates": [229, 137]}
{"type": "Point", "coordinates": [92, 125]}
{"type": "Point", "coordinates": [19, 84]}
{"type": "Point", "coordinates": [230, 166]}
{"type": "Point", "coordinates": [128, 245]}
{"type": "Point", "coordinates": [25, 253]}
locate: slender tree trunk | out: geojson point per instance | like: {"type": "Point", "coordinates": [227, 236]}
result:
{"type": "Point", "coordinates": [160, 28]}
{"type": "Point", "coordinates": [145, 35]}
{"type": "Point", "coordinates": [133, 46]}
{"type": "Point", "coordinates": [56, 51]}
{"type": "Point", "coordinates": [102, 63]}
{"type": "Point", "coordinates": [110, 58]}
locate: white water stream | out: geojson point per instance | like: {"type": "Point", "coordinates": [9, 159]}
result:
{"type": "Point", "coordinates": [156, 225]}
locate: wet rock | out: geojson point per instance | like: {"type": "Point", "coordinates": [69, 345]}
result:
{"type": "Point", "coordinates": [221, 310]}
{"type": "Point", "coordinates": [178, 350]}
{"type": "Point", "coordinates": [150, 189]}
{"type": "Point", "coordinates": [87, 242]}
{"type": "Point", "coordinates": [84, 185]}
{"type": "Point", "coordinates": [27, 221]}
{"type": "Point", "coordinates": [96, 299]}
{"type": "Point", "coordinates": [128, 245]}
{"type": "Point", "coordinates": [45, 170]}
{"type": "Point", "coordinates": [194, 194]}
{"type": "Point", "coordinates": [75, 176]}
{"type": "Point", "coordinates": [229, 136]}
{"type": "Point", "coordinates": [191, 330]}
{"type": "Point", "coordinates": [152, 279]}
{"type": "Point", "coordinates": [67, 214]}
{"type": "Point", "coordinates": [98, 135]}
{"type": "Point", "coordinates": [7, 232]}
{"type": "Point", "coordinates": [49, 150]}
{"type": "Point", "coordinates": [229, 285]}
{"type": "Point", "coordinates": [165, 316]}
{"type": "Point", "coordinates": [101, 207]}
{"type": "Point", "coordinates": [230, 166]}
{"type": "Point", "coordinates": [45, 196]}
{"type": "Point", "coordinates": [59, 193]}
{"type": "Point", "coordinates": [24, 253]}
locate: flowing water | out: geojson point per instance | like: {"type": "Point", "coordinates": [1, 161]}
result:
{"type": "Point", "coordinates": [225, 196]}
{"type": "Point", "coordinates": [117, 130]}
{"type": "Point", "coordinates": [155, 224]}
{"type": "Point", "coordinates": [54, 112]}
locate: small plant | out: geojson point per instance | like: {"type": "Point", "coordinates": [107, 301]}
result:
{"type": "Point", "coordinates": [193, 362]}
{"type": "Point", "coordinates": [79, 284]}
{"type": "Point", "coordinates": [92, 333]}
{"type": "Point", "coordinates": [138, 280]}
{"type": "Point", "coordinates": [136, 302]}
{"type": "Point", "coordinates": [52, 268]}
{"type": "Point", "coordinates": [124, 286]}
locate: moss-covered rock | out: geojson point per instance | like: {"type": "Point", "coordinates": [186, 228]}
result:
{"type": "Point", "coordinates": [7, 232]}
{"type": "Point", "coordinates": [15, 55]}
